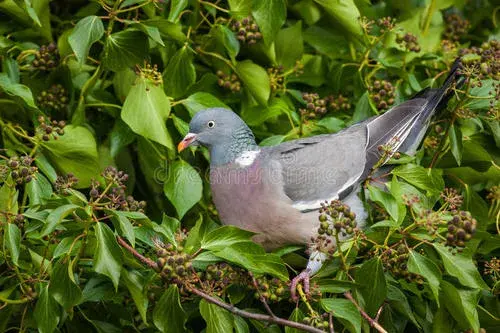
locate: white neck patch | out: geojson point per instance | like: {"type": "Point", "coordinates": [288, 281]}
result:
{"type": "Point", "coordinates": [247, 158]}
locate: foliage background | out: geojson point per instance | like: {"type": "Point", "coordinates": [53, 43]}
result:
{"type": "Point", "coordinates": [126, 77]}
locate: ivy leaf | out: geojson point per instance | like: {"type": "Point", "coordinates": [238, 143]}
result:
{"type": "Point", "coordinates": [460, 265]}
{"type": "Point", "coordinates": [75, 152]}
{"type": "Point", "coordinates": [399, 302]}
{"type": "Point", "coordinates": [227, 38]}
{"type": "Point", "coordinates": [17, 90]}
{"type": "Point", "coordinates": [183, 187]}
{"type": "Point", "coordinates": [39, 189]}
{"type": "Point", "coordinates": [429, 180]}
{"type": "Point", "coordinates": [122, 223]}
{"type": "Point", "coordinates": [217, 319]}
{"type": "Point", "coordinates": [421, 265]}
{"type": "Point", "coordinates": [146, 110]}
{"type": "Point", "coordinates": [86, 32]}
{"type": "Point", "coordinates": [135, 285]}
{"type": "Point", "coordinates": [270, 15]}
{"type": "Point", "coordinates": [62, 286]}
{"type": "Point", "coordinates": [108, 255]}
{"type": "Point", "coordinates": [455, 136]}
{"type": "Point", "coordinates": [344, 13]}
{"type": "Point", "coordinates": [180, 73]}
{"type": "Point", "coordinates": [168, 314]}
{"type": "Point", "coordinates": [125, 49]}
{"type": "Point", "coordinates": [253, 257]}
{"type": "Point", "coordinates": [200, 101]}
{"type": "Point", "coordinates": [373, 287]}
{"type": "Point", "coordinates": [225, 236]}
{"type": "Point", "coordinates": [255, 79]}
{"type": "Point", "coordinates": [462, 305]}
{"type": "Point", "coordinates": [46, 311]}
{"type": "Point", "coordinates": [12, 239]}
{"type": "Point", "coordinates": [289, 45]}
{"type": "Point", "coordinates": [345, 311]}
{"type": "Point", "coordinates": [151, 31]}
{"type": "Point", "coordinates": [297, 316]}
{"type": "Point", "coordinates": [56, 216]}
{"type": "Point", "coordinates": [388, 202]}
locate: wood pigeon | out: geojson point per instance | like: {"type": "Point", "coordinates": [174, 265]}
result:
{"type": "Point", "coordinates": [277, 191]}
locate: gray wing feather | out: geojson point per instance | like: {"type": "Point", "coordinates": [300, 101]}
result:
{"type": "Point", "coordinates": [318, 168]}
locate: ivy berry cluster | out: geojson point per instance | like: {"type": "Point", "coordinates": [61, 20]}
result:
{"type": "Point", "coordinates": [50, 128]}
{"type": "Point", "coordinates": [461, 228]}
{"type": "Point", "coordinates": [46, 58]}
{"type": "Point", "coordinates": [55, 98]}
{"type": "Point", "coordinates": [228, 81]}
{"type": "Point", "coordinates": [382, 93]}
{"type": "Point", "coordinates": [21, 169]}
{"type": "Point", "coordinates": [247, 30]}
{"type": "Point", "coordinates": [336, 218]}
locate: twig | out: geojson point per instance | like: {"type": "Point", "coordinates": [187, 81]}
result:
{"type": "Point", "coordinates": [262, 299]}
{"type": "Point", "coordinates": [257, 316]}
{"type": "Point", "coordinates": [330, 322]}
{"type": "Point", "coordinates": [372, 322]}
{"type": "Point", "coordinates": [229, 307]}
{"type": "Point", "coordinates": [377, 316]}
{"type": "Point", "coordinates": [146, 261]}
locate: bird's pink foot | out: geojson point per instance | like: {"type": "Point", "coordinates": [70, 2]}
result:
{"type": "Point", "coordinates": [303, 277]}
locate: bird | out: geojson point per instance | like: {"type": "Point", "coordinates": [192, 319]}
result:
{"type": "Point", "coordinates": [277, 191]}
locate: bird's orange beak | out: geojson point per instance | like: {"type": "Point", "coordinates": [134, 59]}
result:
{"type": "Point", "coordinates": [186, 142]}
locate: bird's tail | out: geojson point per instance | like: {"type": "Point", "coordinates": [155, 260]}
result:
{"type": "Point", "coordinates": [403, 127]}
{"type": "Point", "coordinates": [437, 100]}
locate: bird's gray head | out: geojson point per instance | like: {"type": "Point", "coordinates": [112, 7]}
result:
{"type": "Point", "coordinates": [222, 131]}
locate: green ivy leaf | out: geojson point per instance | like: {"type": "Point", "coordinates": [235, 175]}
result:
{"type": "Point", "coordinates": [344, 13]}
{"type": "Point", "coordinates": [150, 31]}
{"type": "Point", "coordinates": [39, 189]}
{"type": "Point", "coordinates": [345, 311]}
{"type": "Point", "coordinates": [289, 45]}
{"type": "Point", "coordinates": [107, 255]}
{"type": "Point", "coordinates": [253, 257]}
{"type": "Point", "coordinates": [200, 101]}
{"type": "Point", "coordinates": [373, 287]}
{"type": "Point", "coordinates": [125, 49]}
{"type": "Point", "coordinates": [135, 285]}
{"type": "Point", "coordinates": [460, 265]}
{"type": "Point", "coordinates": [225, 236]}
{"type": "Point", "coordinates": [462, 305]}
{"type": "Point", "coordinates": [399, 302]}
{"type": "Point", "coordinates": [421, 265]}
{"type": "Point", "coordinates": [217, 319]}
{"type": "Point", "coordinates": [455, 136]}
{"type": "Point", "coordinates": [183, 187]}
{"type": "Point", "coordinates": [86, 32]}
{"type": "Point", "coordinates": [168, 314]}
{"type": "Point", "coordinates": [240, 8]}
{"type": "Point", "coordinates": [46, 311]}
{"type": "Point", "coordinates": [429, 180]}
{"type": "Point", "coordinates": [180, 73]}
{"type": "Point", "coordinates": [227, 38]}
{"type": "Point", "coordinates": [388, 202]}
{"type": "Point", "coordinates": [270, 15]}
{"type": "Point", "coordinates": [62, 285]}
{"type": "Point", "coordinates": [12, 239]}
{"type": "Point", "coordinates": [146, 110]}
{"type": "Point", "coordinates": [255, 79]}
{"type": "Point", "coordinates": [257, 115]}
{"type": "Point", "coordinates": [75, 152]}
{"type": "Point", "coordinates": [17, 90]}
{"type": "Point", "coordinates": [123, 224]}
{"type": "Point", "coordinates": [55, 218]}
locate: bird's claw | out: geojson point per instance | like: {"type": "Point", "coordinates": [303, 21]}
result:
{"type": "Point", "coordinates": [303, 277]}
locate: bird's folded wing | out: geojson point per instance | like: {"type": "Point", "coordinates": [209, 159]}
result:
{"type": "Point", "coordinates": [320, 168]}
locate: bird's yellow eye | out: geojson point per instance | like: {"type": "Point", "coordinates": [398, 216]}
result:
{"type": "Point", "coordinates": [211, 124]}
